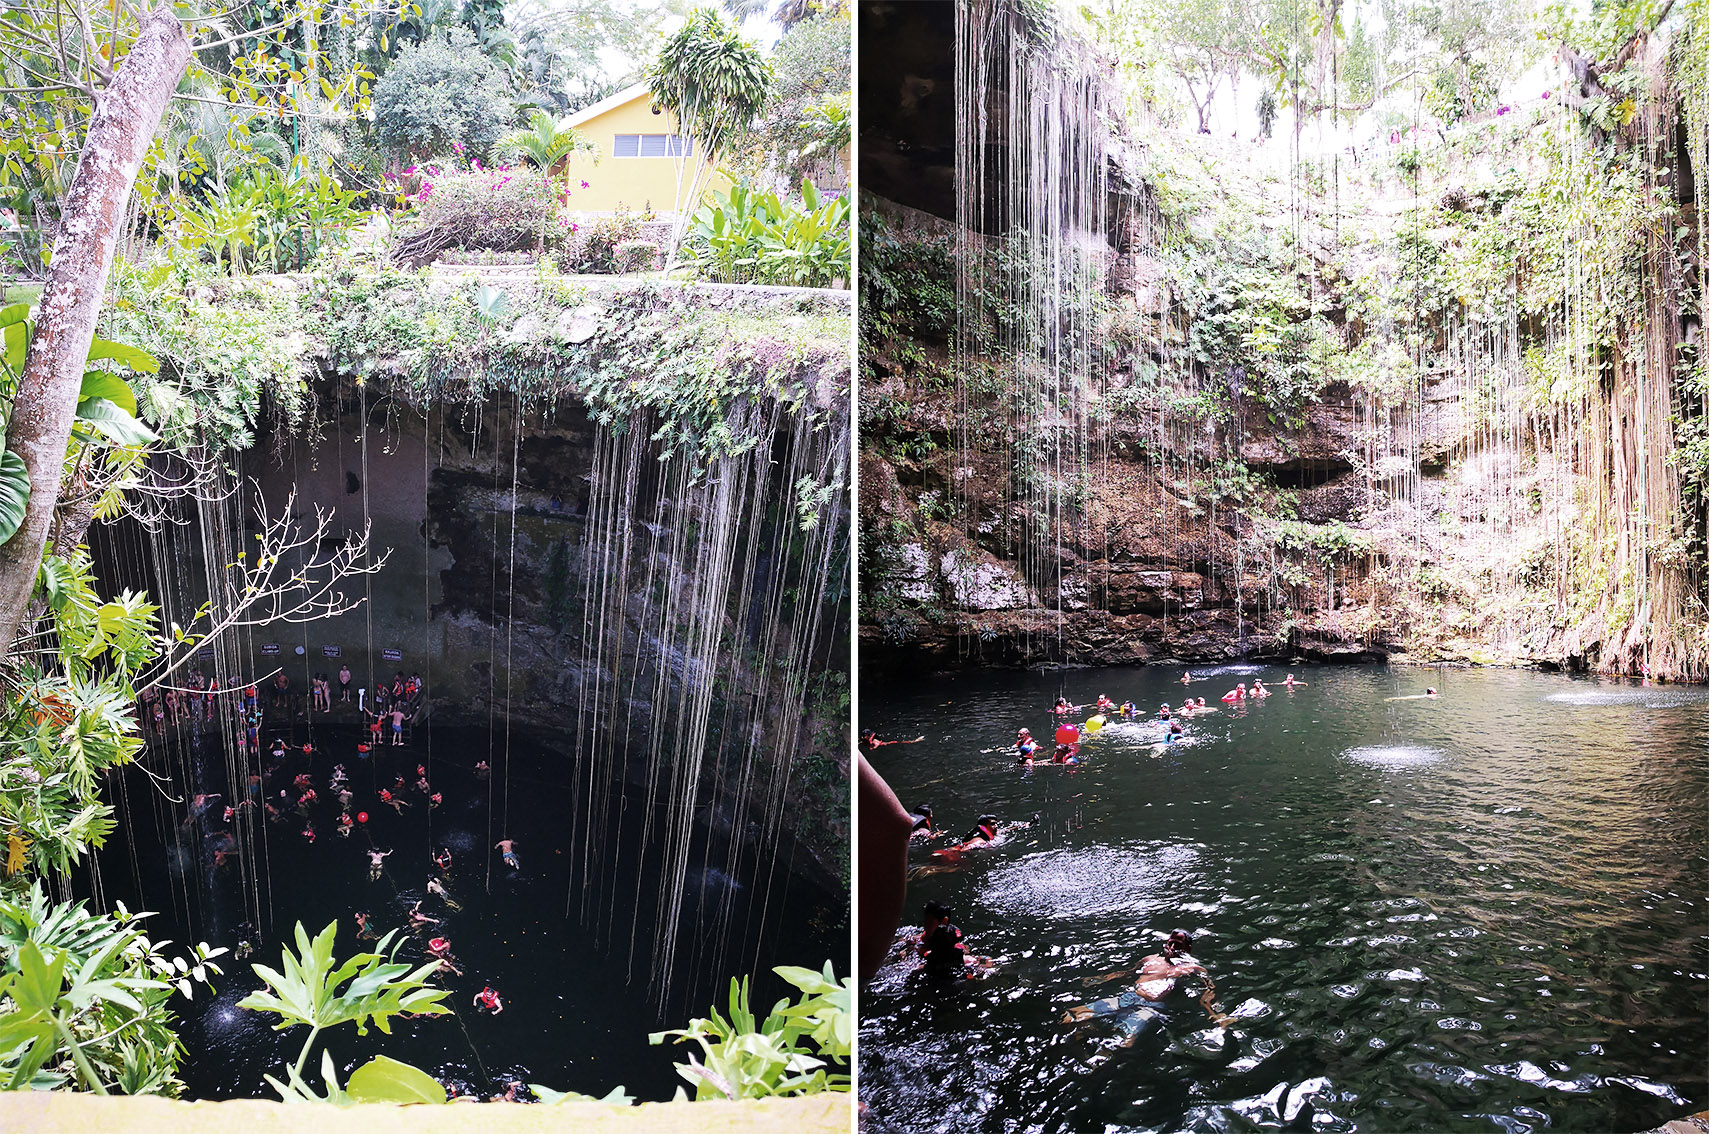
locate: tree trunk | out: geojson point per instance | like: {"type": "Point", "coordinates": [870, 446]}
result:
{"type": "Point", "coordinates": [127, 113]}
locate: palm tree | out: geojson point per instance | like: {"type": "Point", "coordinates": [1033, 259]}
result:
{"type": "Point", "coordinates": [717, 84]}
{"type": "Point", "coordinates": [546, 141]}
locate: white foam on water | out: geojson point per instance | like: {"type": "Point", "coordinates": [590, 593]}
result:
{"type": "Point", "coordinates": [1393, 755]}
{"type": "Point", "coordinates": [1642, 698]}
{"type": "Point", "coordinates": [1227, 670]}
{"type": "Point", "coordinates": [1091, 881]}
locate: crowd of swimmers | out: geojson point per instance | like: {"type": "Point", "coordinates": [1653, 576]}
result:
{"type": "Point", "coordinates": [1069, 736]}
{"type": "Point", "coordinates": [287, 794]}
{"type": "Point", "coordinates": [431, 928]}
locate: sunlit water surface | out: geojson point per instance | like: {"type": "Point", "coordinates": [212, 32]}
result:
{"type": "Point", "coordinates": [1483, 911]}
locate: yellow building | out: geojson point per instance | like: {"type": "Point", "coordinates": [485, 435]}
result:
{"type": "Point", "coordinates": [643, 161]}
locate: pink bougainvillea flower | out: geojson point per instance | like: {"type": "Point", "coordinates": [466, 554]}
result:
{"type": "Point", "coordinates": [584, 185]}
{"type": "Point", "coordinates": [501, 184]}
{"type": "Point", "coordinates": [476, 163]}
{"type": "Point", "coordinates": [409, 172]}
{"type": "Point", "coordinates": [457, 146]}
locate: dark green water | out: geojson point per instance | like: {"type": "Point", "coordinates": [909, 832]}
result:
{"type": "Point", "coordinates": [1479, 912]}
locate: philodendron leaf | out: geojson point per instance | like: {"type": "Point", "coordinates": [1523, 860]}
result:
{"type": "Point", "coordinates": [113, 423]}
{"type": "Point", "coordinates": [128, 355]}
{"type": "Point", "coordinates": [383, 1079]}
{"type": "Point", "coordinates": [14, 493]}
{"type": "Point", "coordinates": [106, 384]}
{"type": "Point", "coordinates": [618, 1096]}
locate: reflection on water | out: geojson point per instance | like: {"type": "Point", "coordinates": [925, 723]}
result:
{"type": "Point", "coordinates": [1089, 881]}
{"type": "Point", "coordinates": [1478, 911]}
{"type": "Point", "coordinates": [1392, 755]}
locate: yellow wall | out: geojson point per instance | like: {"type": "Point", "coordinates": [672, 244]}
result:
{"type": "Point", "coordinates": [634, 183]}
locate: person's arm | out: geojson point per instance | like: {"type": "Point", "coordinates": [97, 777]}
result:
{"type": "Point", "coordinates": [885, 828]}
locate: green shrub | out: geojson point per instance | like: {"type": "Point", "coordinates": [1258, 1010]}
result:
{"type": "Point", "coordinates": [749, 236]}
{"type": "Point", "coordinates": [445, 94]}
{"type": "Point", "coordinates": [596, 252]}
{"type": "Point", "coordinates": [744, 1058]}
{"type": "Point", "coordinates": [636, 256]}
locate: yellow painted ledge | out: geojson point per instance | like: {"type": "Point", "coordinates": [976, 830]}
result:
{"type": "Point", "coordinates": [62, 1113]}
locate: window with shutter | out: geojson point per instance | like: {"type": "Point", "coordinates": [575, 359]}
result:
{"type": "Point", "coordinates": [651, 146]}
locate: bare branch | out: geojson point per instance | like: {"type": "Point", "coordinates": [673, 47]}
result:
{"type": "Point", "coordinates": [259, 588]}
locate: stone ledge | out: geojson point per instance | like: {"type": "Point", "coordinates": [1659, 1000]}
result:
{"type": "Point", "coordinates": [65, 1113]}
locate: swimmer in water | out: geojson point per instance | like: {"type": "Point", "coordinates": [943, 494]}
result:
{"type": "Point", "coordinates": [934, 915]}
{"type": "Point", "coordinates": [435, 886]}
{"type": "Point", "coordinates": [984, 832]}
{"type": "Point", "coordinates": [1186, 677]}
{"type": "Point", "coordinates": [376, 863]}
{"type": "Point", "coordinates": [482, 770]}
{"type": "Point", "coordinates": [1063, 708]}
{"type": "Point", "coordinates": [1238, 693]}
{"type": "Point", "coordinates": [1105, 704]}
{"type": "Point", "coordinates": [417, 918]}
{"type": "Point", "coordinates": [870, 739]}
{"type": "Point", "coordinates": [487, 1000]}
{"type": "Point", "coordinates": [1127, 709]}
{"type": "Point", "coordinates": [1258, 689]}
{"type": "Point", "coordinates": [1431, 692]}
{"type": "Point", "coordinates": [1290, 682]}
{"type": "Point", "coordinates": [443, 860]}
{"type": "Point", "coordinates": [440, 950]}
{"type": "Point", "coordinates": [923, 822]}
{"type": "Point", "coordinates": [1026, 746]}
{"type": "Point", "coordinates": [364, 927]}
{"type": "Point", "coordinates": [508, 847]}
{"type": "Point", "coordinates": [1155, 979]}
{"type": "Point", "coordinates": [942, 951]}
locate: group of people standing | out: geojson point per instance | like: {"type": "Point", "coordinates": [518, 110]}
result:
{"type": "Point", "coordinates": [198, 702]}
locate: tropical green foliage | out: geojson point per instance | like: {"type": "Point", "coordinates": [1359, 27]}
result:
{"type": "Point", "coordinates": [218, 359]}
{"type": "Point", "coordinates": [795, 1050]}
{"type": "Point", "coordinates": [544, 142]}
{"type": "Point", "coordinates": [715, 82]}
{"type": "Point", "coordinates": [267, 219]}
{"type": "Point", "coordinates": [88, 995]}
{"type": "Point", "coordinates": [750, 236]}
{"type": "Point", "coordinates": [310, 989]}
{"type": "Point", "coordinates": [806, 121]}
{"type": "Point", "coordinates": [105, 409]}
{"type": "Point", "coordinates": [440, 95]}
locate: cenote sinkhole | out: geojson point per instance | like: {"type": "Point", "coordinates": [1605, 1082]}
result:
{"type": "Point", "coordinates": [1477, 911]}
{"type": "Point", "coordinates": [575, 1016]}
